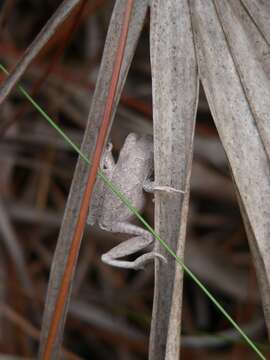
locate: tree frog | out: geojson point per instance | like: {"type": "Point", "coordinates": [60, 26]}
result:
{"type": "Point", "coordinates": [132, 170]}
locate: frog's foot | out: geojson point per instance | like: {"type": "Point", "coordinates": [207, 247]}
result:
{"type": "Point", "coordinates": [150, 187]}
{"type": "Point", "coordinates": [139, 242]}
{"type": "Point", "coordinates": [141, 261]}
{"type": "Point", "coordinates": [137, 264]}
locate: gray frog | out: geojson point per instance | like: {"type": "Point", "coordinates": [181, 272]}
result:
{"type": "Point", "coordinates": [132, 170]}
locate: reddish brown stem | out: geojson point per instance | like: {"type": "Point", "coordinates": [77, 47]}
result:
{"type": "Point", "coordinates": [75, 245]}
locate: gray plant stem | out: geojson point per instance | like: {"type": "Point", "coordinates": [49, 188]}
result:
{"type": "Point", "coordinates": [244, 136]}
{"type": "Point", "coordinates": [175, 97]}
{"type": "Point", "coordinates": [88, 148]}
{"type": "Point", "coordinates": [259, 11]}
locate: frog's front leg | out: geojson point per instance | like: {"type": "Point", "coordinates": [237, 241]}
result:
{"type": "Point", "coordinates": [150, 187]}
{"type": "Point", "coordinates": [107, 166]}
{"type": "Point", "coordinates": [107, 159]}
{"type": "Point", "coordinates": [140, 241]}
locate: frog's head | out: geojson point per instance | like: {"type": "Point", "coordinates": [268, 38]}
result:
{"type": "Point", "coordinates": [137, 152]}
{"type": "Point", "coordinates": [141, 144]}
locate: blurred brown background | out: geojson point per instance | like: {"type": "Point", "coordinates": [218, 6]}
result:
{"type": "Point", "coordinates": [111, 310]}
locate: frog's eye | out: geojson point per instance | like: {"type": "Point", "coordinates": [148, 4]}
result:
{"type": "Point", "coordinates": [131, 138]}
{"type": "Point", "coordinates": [109, 146]}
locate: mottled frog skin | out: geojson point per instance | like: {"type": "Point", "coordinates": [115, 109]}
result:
{"type": "Point", "coordinates": [132, 170]}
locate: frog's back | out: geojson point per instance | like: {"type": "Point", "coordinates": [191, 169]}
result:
{"type": "Point", "coordinates": [134, 166]}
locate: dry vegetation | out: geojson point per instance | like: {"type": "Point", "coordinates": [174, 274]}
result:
{"type": "Point", "coordinates": [109, 315]}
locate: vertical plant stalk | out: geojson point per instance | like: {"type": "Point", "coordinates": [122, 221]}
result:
{"type": "Point", "coordinates": [238, 129]}
{"type": "Point", "coordinates": [120, 45]}
{"type": "Point", "coordinates": [248, 49]}
{"type": "Point", "coordinates": [259, 11]}
{"type": "Point", "coordinates": [175, 97]}
{"type": "Point", "coordinates": [84, 208]}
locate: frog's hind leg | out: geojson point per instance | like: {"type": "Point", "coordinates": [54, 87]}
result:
{"type": "Point", "coordinates": [139, 242]}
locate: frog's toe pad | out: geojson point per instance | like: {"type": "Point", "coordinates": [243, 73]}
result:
{"type": "Point", "coordinates": [146, 258]}
{"type": "Point", "coordinates": [137, 264]}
